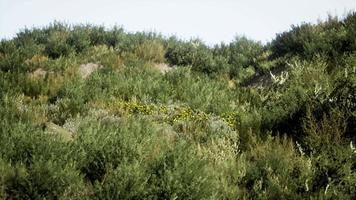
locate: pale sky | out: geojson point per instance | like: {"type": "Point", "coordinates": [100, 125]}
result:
{"type": "Point", "coordinates": [213, 21]}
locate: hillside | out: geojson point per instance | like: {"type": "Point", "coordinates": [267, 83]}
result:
{"type": "Point", "coordinates": [92, 113]}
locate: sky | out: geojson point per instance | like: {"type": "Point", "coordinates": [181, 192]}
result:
{"type": "Point", "coordinates": [213, 21]}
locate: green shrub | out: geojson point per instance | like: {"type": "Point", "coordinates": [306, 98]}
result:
{"type": "Point", "coordinates": [44, 179]}
{"type": "Point", "coordinates": [103, 55]}
{"type": "Point", "coordinates": [15, 60]}
{"type": "Point", "coordinates": [129, 181]}
{"type": "Point", "coordinates": [332, 38]}
{"type": "Point", "coordinates": [151, 51]}
{"type": "Point", "coordinates": [202, 130]}
{"type": "Point", "coordinates": [79, 39]}
{"type": "Point", "coordinates": [331, 157]}
{"type": "Point", "coordinates": [274, 170]}
{"type": "Point", "coordinates": [57, 45]}
{"type": "Point", "coordinates": [179, 174]}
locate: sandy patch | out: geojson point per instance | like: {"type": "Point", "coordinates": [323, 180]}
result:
{"type": "Point", "coordinates": [162, 67]}
{"type": "Point", "coordinates": [85, 70]}
{"type": "Point", "coordinates": [38, 73]}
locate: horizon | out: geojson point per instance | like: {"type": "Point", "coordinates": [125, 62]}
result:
{"type": "Point", "coordinates": [259, 21]}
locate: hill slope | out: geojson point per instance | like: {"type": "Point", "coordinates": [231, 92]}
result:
{"type": "Point", "coordinates": [90, 113]}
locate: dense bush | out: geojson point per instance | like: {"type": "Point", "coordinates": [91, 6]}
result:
{"type": "Point", "coordinates": [275, 170]}
{"type": "Point", "coordinates": [240, 53]}
{"type": "Point", "coordinates": [333, 38]}
{"type": "Point", "coordinates": [151, 51]}
{"type": "Point", "coordinates": [197, 55]}
{"type": "Point", "coordinates": [235, 121]}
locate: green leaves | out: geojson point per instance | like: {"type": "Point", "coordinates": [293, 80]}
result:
{"type": "Point", "coordinates": [84, 114]}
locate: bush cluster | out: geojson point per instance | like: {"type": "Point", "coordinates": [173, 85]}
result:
{"type": "Point", "coordinates": [235, 121]}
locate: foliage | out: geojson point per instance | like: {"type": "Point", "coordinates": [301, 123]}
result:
{"type": "Point", "coordinates": [240, 120]}
{"type": "Point", "coordinates": [151, 51]}
{"type": "Point", "coordinates": [333, 38]}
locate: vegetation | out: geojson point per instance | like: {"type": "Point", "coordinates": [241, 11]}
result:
{"type": "Point", "coordinates": [235, 121]}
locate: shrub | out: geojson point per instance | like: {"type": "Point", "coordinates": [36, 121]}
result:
{"type": "Point", "coordinates": [129, 181]}
{"type": "Point", "coordinates": [274, 170]}
{"type": "Point", "coordinates": [57, 45]}
{"type": "Point", "coordinates": [325, 140]}
{"type": "Point", "coordinates": [181, 175]}
{"type": "Point", "coordinates": [106, 56]}
{"type": "Point", "coordinates": [79, 39]}
{"type": "Point", "coordinates": [44, 179]}
{"type": "Point", "coordinates": [151, 51]}
{"type": "Point", "coordinates": [15, 60]}
{"type": "Point", "coordinates": [128, 131]}
{"type": "Point", "coordinates": [332, 38]}
{"type": "Point", "coordinates": [197, 55]}
{"type": "Point", "coordinates": [182, 54]}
